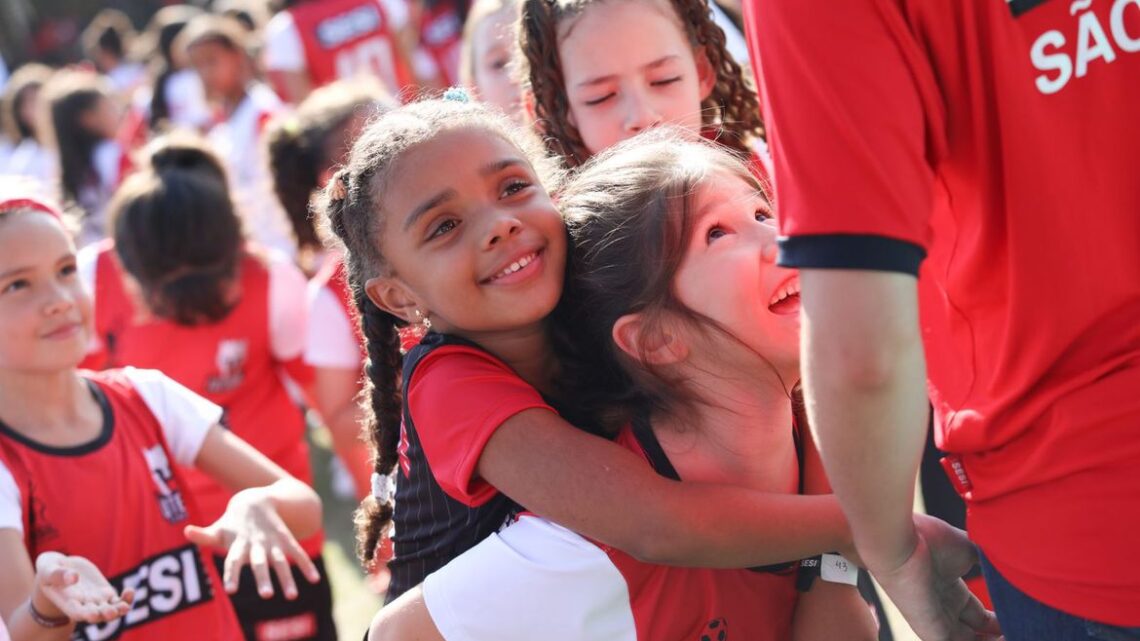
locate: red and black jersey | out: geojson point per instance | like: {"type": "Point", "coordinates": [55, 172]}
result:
{"type": "Point", "coordinates": [457, 394]}
{"type": "Point", "coordinates": [134, 534]}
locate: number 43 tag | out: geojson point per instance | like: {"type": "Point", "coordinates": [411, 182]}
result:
{"type": "Point", "coordinates": [834, 568]}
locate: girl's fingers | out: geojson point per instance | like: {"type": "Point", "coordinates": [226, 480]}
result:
{"type": "Point", "coordinates": [109, 612]}
{"type": "Point", "coordinates": [259, 563]}
{"type": "Point", "coordinates": [209, 537]}
{"type": "Point", "coordinates": [284, 572]}
{"type": "Point", "coordinates": [299, 557]}
{"type": "Point", "coordinates": [231, 569]}
{"type": "Point", "coordinates": [85, 612]}
{"type": "Point", "coordinates": [59, 577]}
{"type": "Point", "coordinates": [128, 596]}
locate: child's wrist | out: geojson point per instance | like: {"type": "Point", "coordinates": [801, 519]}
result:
{"type": "Point", "coordinates": [44, 612]}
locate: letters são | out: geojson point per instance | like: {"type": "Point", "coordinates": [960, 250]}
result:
{"type": "Point", "coordinates": [1060, 61]}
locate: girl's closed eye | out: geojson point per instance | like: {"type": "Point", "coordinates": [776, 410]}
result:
{"type": "Point", "coordinates": [665, 81]}
{"type": "Point", "coordinates": [597, 101]}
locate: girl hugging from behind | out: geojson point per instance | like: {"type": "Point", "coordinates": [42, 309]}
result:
{"type": "Point", "coordinates": [687, 345]}
{"type": "Point", "coordinates": [473, 260]}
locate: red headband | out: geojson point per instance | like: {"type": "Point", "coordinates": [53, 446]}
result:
{"type": "Point", "coordinates": [27, 202]}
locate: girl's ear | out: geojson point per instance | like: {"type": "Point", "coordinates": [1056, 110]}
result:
{"type": "Point", "coordinates": [391, 295]}
{"type": "Point", "coordinates": [706, 75]}
{"type": "Point", "coordinates": [531, 109]}
{"type": "Point", "coordinates": [648, 345]}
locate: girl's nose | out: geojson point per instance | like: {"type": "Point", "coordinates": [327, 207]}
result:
{"type": "Point", "coordinates": [502, 227]}
{"type": "Point", "coordinates": [59, 300]}
{"type": "Point", "coordinates": [640, 113]}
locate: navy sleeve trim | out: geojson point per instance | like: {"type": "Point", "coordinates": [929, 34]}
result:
{"type": "Point", "coordinates": [851, 251]}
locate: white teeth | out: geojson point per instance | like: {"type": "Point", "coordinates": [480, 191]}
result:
{"type": "Point", "coordinates": [517, 265]}
{"type": "Point", "coordinates": [791, 289]}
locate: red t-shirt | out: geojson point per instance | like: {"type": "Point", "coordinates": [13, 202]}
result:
{"type": "Point", "coordinates": [998, 139]}
{"type": "Point", "coordinates": [230, 362]}
{"type": "Point", "coordinates": [458, 396]}
{"type": "Point", "coordinates": [342, 38]}
{"type": "Point", "coordinates": [121, 502]}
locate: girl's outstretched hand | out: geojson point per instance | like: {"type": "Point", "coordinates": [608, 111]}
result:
{"type": "Point", "coordinates": [78, 589]}
{"type": "Point", "coordinates": [252, 532]}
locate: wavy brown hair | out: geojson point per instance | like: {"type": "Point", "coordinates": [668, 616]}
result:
{"type": "Point", "coordinates": [732, 107]}
{"type": "Point", "coordinates": [631, 211]}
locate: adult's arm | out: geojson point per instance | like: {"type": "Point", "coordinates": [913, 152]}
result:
{"type": "Point", "coordinates": [854, 140]}
{"type": "Point", "coordinates": [865, 381]}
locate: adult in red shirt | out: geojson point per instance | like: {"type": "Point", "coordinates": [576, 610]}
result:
{"type": "Point", "coordinates": [996, 140]}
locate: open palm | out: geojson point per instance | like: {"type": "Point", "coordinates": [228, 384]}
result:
{"type": "Point", "coordinates": [80, 591]}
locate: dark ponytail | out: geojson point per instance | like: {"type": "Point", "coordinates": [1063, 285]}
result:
{"type": "Point", "coordinates": [160, 34]}
{"type": "Point", "coordinates": [381, 387]}
{"type": "Point", "coordinates": [305, 144]}
{"type": "Point", "coordinates": [176, 232]}
{"type": "Point", "coordinates": [68, 97]}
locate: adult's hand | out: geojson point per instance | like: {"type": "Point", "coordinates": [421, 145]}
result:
{"type": "Point", "coordinates": [928, 588]}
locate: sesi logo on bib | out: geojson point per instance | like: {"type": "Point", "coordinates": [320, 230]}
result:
{"type": "Point", "coordinates": [168, 583]}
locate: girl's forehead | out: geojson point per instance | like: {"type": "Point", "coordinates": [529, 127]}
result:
{"type": "Point", "coordinates": [663, 8]}
{"type": "Point", "coordinates": [29, 231]}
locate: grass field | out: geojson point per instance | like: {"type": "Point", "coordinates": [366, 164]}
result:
{"type": "Point", "coordinates": [353, 602]}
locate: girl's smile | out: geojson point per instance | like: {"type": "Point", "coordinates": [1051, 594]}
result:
{"type": "Point", "coordinates": [43, 305]}
{"type": "Point", "coordinates": [518, 270]}
{"type": "Point", "coordinates": [484, 252]}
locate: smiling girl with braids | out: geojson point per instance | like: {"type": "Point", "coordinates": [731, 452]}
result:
{"type": "Point", "coordinates": [474, 258]}
{"type": "Point", "coordinates": [673, 68]}
{"type": "Point", "coordinates": [692, 333]}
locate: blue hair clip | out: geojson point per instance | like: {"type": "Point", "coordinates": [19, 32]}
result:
{"type": "Point", "coordinates": [457, 94]}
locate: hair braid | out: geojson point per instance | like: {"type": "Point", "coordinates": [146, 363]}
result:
{"type": "Point", "coordinates": [541, 69]}
{"type": "Point", "coordinates": [383, 425]}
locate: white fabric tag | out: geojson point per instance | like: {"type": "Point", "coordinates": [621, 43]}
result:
{"type": "Point", "coordinates": [837, 569]}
